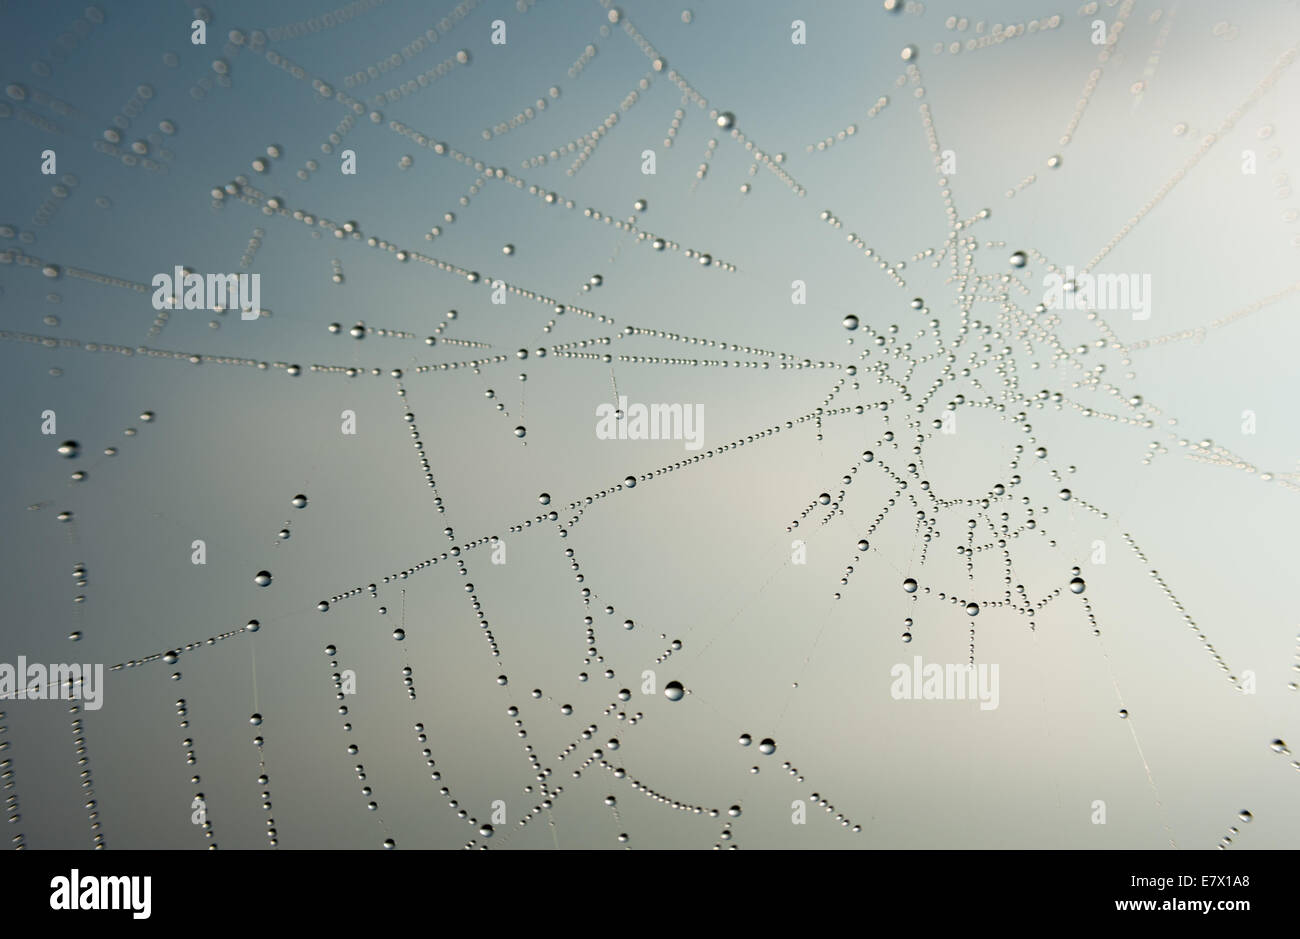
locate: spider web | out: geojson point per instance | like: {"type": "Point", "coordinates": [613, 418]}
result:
{"type": "Point", "coordinates": [486, 625]}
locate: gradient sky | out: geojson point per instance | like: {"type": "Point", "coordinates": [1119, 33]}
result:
{"type": "Point", "coordinates": [701, 554]}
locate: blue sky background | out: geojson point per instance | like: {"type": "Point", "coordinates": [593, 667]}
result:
{"type": "Point", "coordinates": [701, 554]}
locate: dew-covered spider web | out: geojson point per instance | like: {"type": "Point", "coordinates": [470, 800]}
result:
{"type": "Point", "coordinates": [756, 425]}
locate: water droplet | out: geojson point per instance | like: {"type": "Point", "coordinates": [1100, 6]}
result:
{"type": "Point", "coordinates": [1019, 259]}
{"type": "Point", "coordinates": [299, 501]}
{"type": "Point", "coordinates": [910, 585]}
{"type": "Point", "coordinates": [399, 633]}
{"type": "Point", "coordinates": [726, 120]}
{"type": "Point", "coordinates": [1077, 585]}
{"type": "Point", "coordinates": [69, 449]}
{"type": "Point", "coordinates": [256, 720]}
{"type": "Point", "coordinates": [1245, 816]}
{"type": "Point", "coordinates": [767, 746]}
{"type": "Point", "coordinates": [544, 498]}
{"type": "Point", "coordinates": [850, 322]}
{"type": "Point", "coordinates": [909, 53]}
{"type": "Point", "coordinates": [1123, 713]}
{"type": "Point", "coordinates": [262, 579]}
{"type": "Point", "coordinates": [674, 691]}
{"type": "Point", "coordinates": [972, 609]}
{"type": "Point", "coordinates": [745, 740]}
{"type": "Point", "coordinates": [521, 431]}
